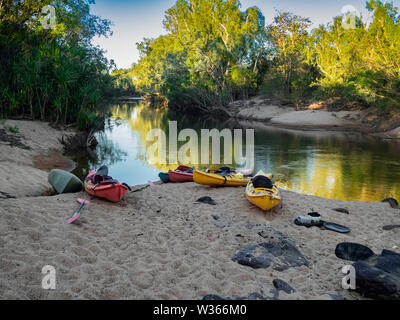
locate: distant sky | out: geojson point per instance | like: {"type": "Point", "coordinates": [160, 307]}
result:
{"type": "Point", "coordinates": [137, 19]}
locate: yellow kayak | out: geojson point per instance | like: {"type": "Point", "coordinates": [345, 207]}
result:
{"type": "Point", "coordinates": [266, 197]}
{"type": "Point", "coordinates": [216, 180]}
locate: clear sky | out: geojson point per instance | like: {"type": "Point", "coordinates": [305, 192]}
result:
{"type": "Point", "coordinates": [137, 19]}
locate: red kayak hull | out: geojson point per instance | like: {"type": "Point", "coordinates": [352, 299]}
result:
{"type": "Point", "coordinates": [175, 176]}
{"type": "Point", "coordinates": [111, 192]}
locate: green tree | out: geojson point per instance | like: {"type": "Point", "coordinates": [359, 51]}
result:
{"type": "Point", "coordinates": [288, 37]}
{"type": "Point", "coordinates": [56, 74]}
{"type": "Point", "coordinates": [213, 53]}
{"type": "Point", "coordinates": [360, 64]}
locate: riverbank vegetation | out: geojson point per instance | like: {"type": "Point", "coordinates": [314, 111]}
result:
{"type": "Point", "coordinates": [215, 52]}
{"type": "Point", "coordinates": [53, 73]}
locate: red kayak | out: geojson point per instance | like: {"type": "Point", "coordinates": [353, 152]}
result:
{"type": "Point", "coordinates": [108, 189]}
{"type": "Point", "coordinates": [181, 174]}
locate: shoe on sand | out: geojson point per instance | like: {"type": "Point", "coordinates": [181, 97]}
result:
{"type": "Point", "coordinates": [352, 251]}
{"type": "Point", "coordinates": [315, 216]}
{"type": "Point", "coordinates": [335, 227]}
{"type": "Point", "coordinates": [307, 221]}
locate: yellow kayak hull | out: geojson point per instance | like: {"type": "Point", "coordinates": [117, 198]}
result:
{"type": "Point", "coordinates": [216, 180]}
{"type": "Point", "coordinates": [265, 199]}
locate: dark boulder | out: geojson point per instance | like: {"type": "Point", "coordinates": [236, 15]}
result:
{"type": "Point", "coordinates": [393, 202]}
{"type": "Point", "coordinates": [352, 251]}
{"type": "Point", "coordinates": [254, 256]}
{"type": "Point", "coordinates": [281, 255]}
{"type": "Point", "coordinates": [378, 277]}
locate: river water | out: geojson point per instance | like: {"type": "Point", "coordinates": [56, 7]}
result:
{"type": "Point", "coordinates": [336, 165]}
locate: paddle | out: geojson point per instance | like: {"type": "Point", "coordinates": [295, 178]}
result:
{"type": "Point", "coordinates": [77, 212]}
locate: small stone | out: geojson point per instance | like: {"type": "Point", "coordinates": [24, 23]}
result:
{"type": "Point", "coordinates": [263, 234]}
{"type": "Point", "coordinates": [282, 285]}
{"type": "Point", "coordinates": [336, 296]}
{"type": "Point", "coordinates": [344, 210]}
{"type": "Point", "coordinates": [391, 227]}
{"type": "Point", "coordinates": [378, 277]}
{"type": "Point", "coordinates": [255, 296]}
{"type": "Point", "coordinates": [220, 224]}
{"type": "Point", "coordinates": [212, 297]}
{"type": "Point", "coordinates": [207, 200]}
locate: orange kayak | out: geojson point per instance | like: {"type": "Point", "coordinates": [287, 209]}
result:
{"type": "Point", "coordinates": [110, 190]}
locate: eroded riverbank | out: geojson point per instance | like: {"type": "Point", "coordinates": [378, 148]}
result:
{"type": "Point", "coordinates": [315, 117]}
{"type": "Point", "coordinates": [27, 155]}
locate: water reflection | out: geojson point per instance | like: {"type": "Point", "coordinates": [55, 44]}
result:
{"type": "Point", "coordinates": [346, 166]}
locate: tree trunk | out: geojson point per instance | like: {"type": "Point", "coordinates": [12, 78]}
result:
{"type": "Point", "coordinates": [66, 112]}
{"type": "Point", "coordinates": [31, 107]}
{"type": "Point", "coordinates": [40, 103]}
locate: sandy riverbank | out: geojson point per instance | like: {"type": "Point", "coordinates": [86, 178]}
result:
{"type": "Point", "coordinates": [157, 244]}
{"type": "Point", "coordinates": [314, 117]}
{"type": "Point", "coordinates": [27, 155]}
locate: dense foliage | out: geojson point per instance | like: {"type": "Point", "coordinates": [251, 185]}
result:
{"type": "Point", "coordinates": [215, 52]}
{"type": "Point", "coordinates": [362, 63]}
{"type": "Point", "coordinates": [211, 54]}
{"type": "Point", "coordinates": [52, 74]}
